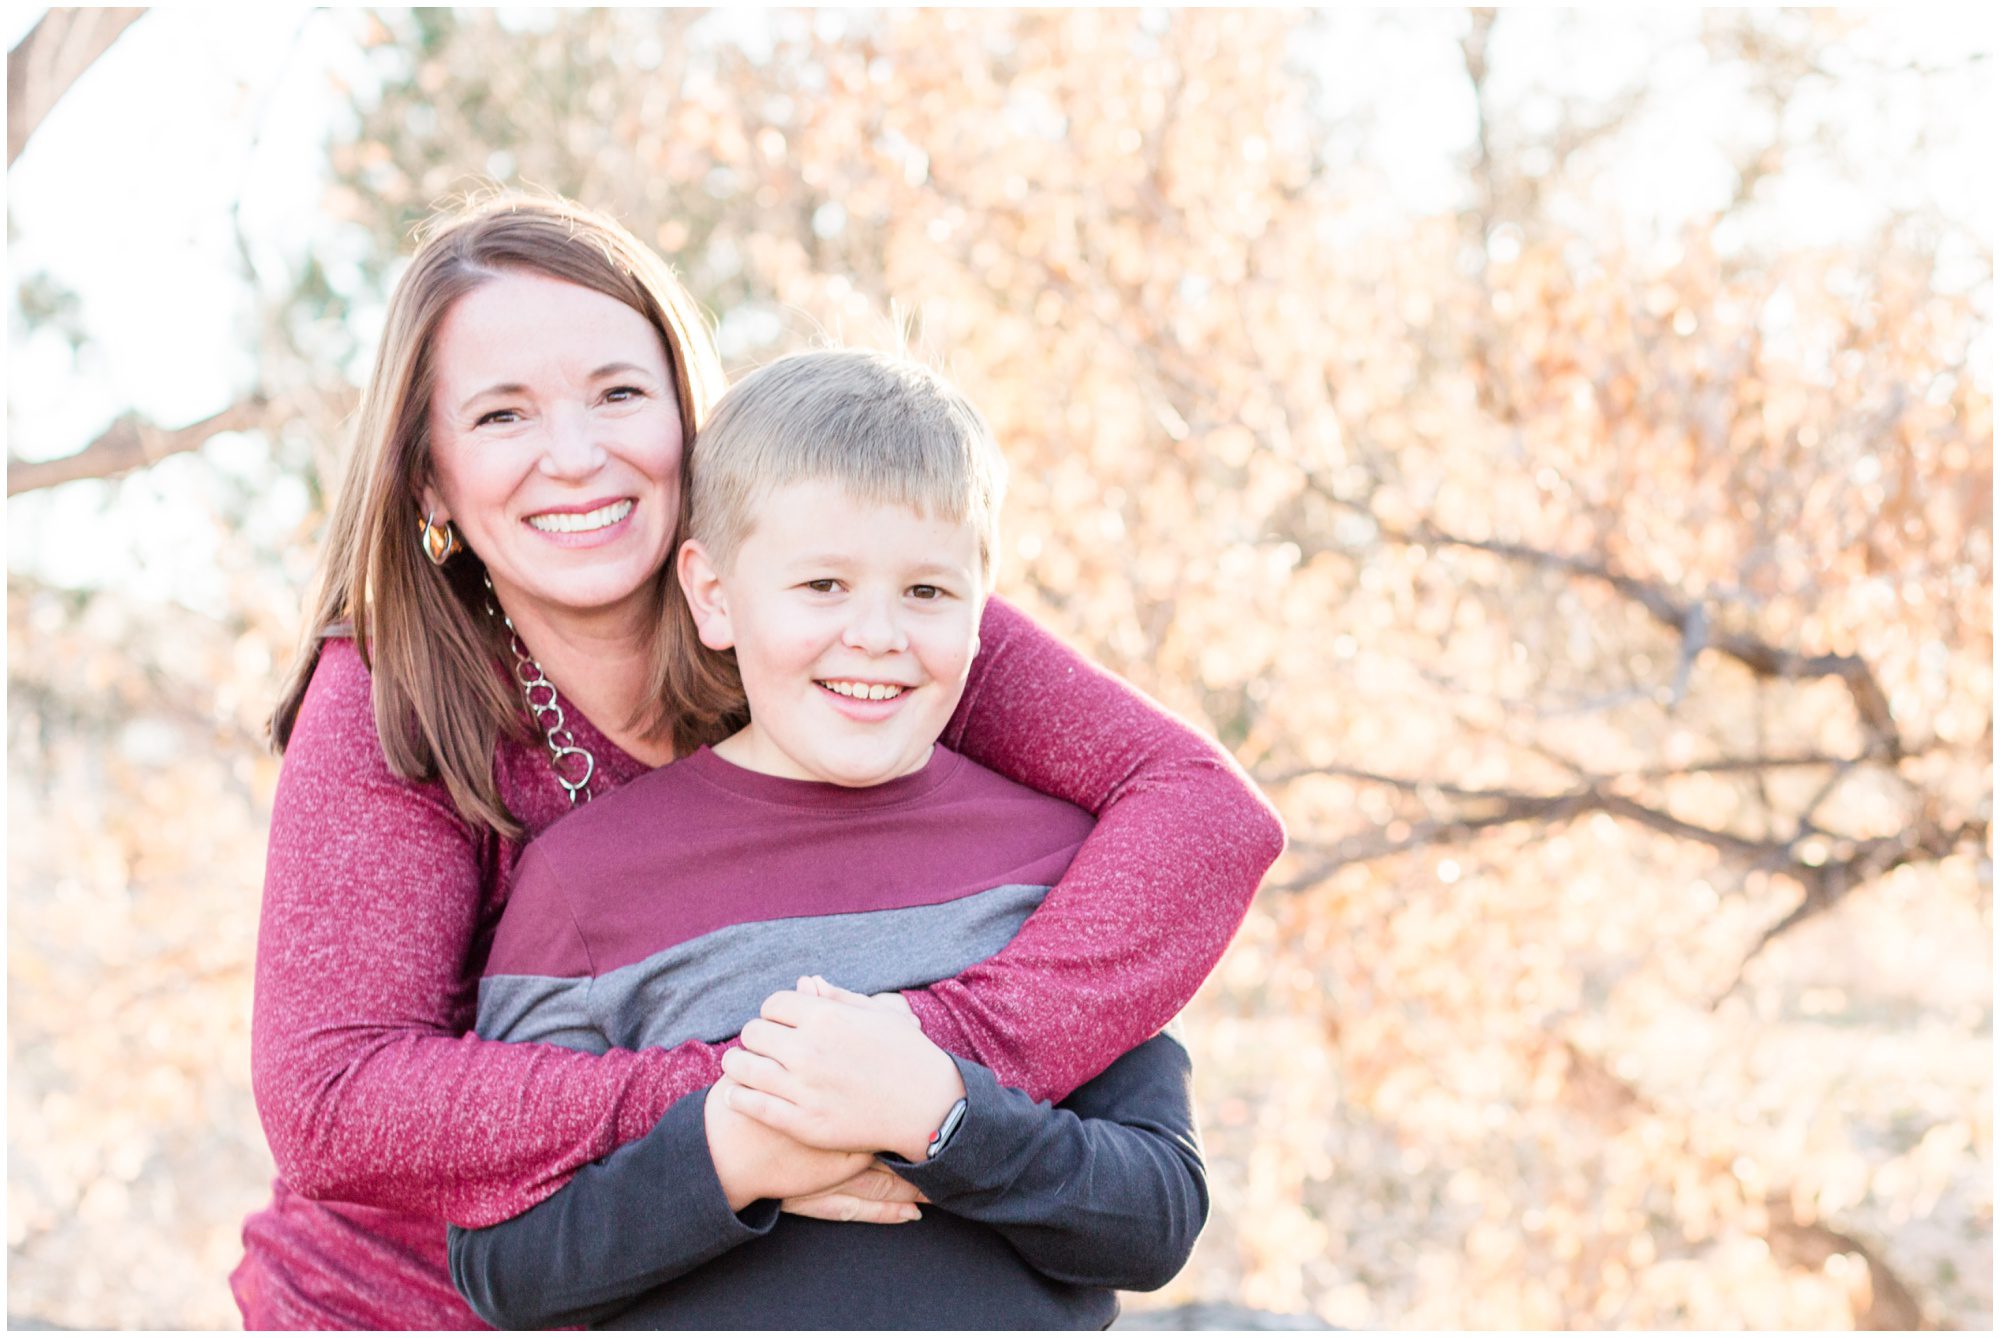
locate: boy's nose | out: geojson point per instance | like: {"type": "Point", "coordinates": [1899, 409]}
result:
{"type": "Point", "coordinates": [572, 452]}
{"type": "Point", "coordinates": [874, 629]}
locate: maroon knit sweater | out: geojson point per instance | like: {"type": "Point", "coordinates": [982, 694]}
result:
{"type": "Point", "coordinates": [386, 1116]}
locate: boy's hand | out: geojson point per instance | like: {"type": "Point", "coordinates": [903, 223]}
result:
{"type": "Point", "coordinates": [833, 1069]}
{"type": "Point", "coordinates": [755, 1161]}
{"type": "Point", "coordinates": [892, 1002]}
{"type": "Point", "coordinates": [875, 1195]}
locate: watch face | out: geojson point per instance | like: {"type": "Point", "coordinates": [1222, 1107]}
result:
{"type": "Point", "coordinates": [944, 1132]}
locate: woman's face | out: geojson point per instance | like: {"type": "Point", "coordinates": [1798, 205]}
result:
{"type": "Point", "coordinates": [555, 446]}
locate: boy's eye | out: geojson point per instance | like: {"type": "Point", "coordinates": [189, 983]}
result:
{"type": "Point", "coordinates": [824, 585]}
{"type": "Point", "coordinates": [927, 592]}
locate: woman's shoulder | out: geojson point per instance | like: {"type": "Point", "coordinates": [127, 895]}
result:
{"type": "Point", "coordinates": [335, 730]}
{"type": "Point", "coordinates": [339, 695]}
{"type": "Point", "coordinates": [334, 759]}
{"type": "Point", "coordinates": [341, 673]}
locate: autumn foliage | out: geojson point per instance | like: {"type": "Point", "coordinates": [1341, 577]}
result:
{"type": "Point", "coordinates": [1608, 609]}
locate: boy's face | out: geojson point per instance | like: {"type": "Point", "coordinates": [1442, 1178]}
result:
{"type": "Point", "coordinates": [854, 625]}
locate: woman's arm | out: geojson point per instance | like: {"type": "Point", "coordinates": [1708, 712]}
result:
{"type": "Point", "coordinates": [366, 965]}
{"type": "Point", "coordinates": [1106, 1190]}
{"type": "Point", "coordinates": [1152, 898]}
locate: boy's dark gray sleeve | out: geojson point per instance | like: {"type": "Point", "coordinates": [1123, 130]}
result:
{"type": "Point", "coordinates": [644, 1215]}
{"type": "Point", "coordinates": [1106, 1190]}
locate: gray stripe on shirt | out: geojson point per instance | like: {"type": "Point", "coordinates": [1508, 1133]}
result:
{"type": "Point", "coordinates": [707, 987]}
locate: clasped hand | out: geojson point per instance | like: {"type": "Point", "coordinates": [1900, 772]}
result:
{"type": "Point", "coordinates": [824, 1079]}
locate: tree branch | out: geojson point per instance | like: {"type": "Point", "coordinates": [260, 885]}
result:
{"type": "Point", "coordinates": [1826, 884]}
{"type": "Point", "coordinates": [1829, 884]}
{"type": "Point", "coordinates": [1438, 831]}
{"type": "Point", "coordinates": [131, 443]}
{"type": "Point", "coordinates": [1689, 620]}
{"type": "Point", "coordinates": [42, 66]}
{"type": "Point", "coordinates": [1472, 52]}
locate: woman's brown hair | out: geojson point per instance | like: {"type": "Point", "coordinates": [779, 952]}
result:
{"type": "Point", "coordinates": [442, 698]}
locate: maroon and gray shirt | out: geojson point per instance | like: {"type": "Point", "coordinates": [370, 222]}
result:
{"type": "Point", "coordinates": [668, 911]}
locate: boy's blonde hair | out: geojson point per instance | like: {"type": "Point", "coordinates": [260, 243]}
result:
{"type": "Point", "coordinates": [889, 429]}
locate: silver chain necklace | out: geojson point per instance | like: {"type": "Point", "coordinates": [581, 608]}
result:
{"type": "Point", "coordinates": [540, 696]}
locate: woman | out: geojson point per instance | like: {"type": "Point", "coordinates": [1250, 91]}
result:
{"type": "Point", "coordinates": [511, 502]}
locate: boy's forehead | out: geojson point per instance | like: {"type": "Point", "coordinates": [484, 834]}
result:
{"type": "Point", "coordinates": [822, 518]}
{"type": "Point", "coordinates": [832, 501]}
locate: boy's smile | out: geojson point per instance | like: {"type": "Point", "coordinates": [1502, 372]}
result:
{"type": "Point", "coordinates": [854, 625]}
{"type": "Point", "coordinates": [867, 691]}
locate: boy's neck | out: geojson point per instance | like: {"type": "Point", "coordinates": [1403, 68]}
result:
{"type": "Point", "coordinates": [747, 749]}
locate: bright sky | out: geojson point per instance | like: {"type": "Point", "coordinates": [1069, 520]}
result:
{"type": "Point", "coordinates": [125, 194]}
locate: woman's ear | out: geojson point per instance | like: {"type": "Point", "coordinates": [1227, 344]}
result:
{"type": "Point", "coordinates": [702, 586]}
{"type": "Point", "coordinates": [432, 505]}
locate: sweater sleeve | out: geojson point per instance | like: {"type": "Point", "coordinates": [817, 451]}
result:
{"type": "Point", "coordinates": [1143, 914]}
{"type": "Point", "coordinates": [1106, 1190]}
{"type": "Point", "coordinates": [644, 1216]}
{"type": "Point", "coordinates": [368, 1089]}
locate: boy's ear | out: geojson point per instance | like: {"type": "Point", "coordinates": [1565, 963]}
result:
{"type": "Point", "coordinates": [702, 585]}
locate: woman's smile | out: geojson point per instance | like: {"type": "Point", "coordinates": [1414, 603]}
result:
{"type": "Point", "coordinates": [573, 526]}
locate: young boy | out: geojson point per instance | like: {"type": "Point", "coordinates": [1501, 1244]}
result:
{"type": "Point", "coordinates": [842, 522]}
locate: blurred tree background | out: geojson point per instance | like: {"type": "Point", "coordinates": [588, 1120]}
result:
{"type": "Point", "coordinates": [1588, 548]}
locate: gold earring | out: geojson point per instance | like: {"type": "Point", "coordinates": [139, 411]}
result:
{"type": "Point", "coordinates": [439, 544]}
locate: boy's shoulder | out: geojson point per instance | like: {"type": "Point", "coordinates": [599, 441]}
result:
{"type": "Point", "coordinates": [640, 806]}
{"type": "Point", "coordinates": [976, 784]}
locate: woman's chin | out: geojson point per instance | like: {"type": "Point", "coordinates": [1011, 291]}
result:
{"type": "Point", "coordinates": [630, 589]}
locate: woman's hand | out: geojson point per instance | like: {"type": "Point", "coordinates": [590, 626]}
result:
{"type": "Point", "coordinates": [756, 1161]}
{"type": "Point", "coordinates": [876, 1195]}
{"type": "Point", "coordinates": [833, 1069]}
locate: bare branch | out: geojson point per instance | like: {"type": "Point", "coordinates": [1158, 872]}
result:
{"type": "Point", "coordinates": [1514, 807]}
{"type": "Point", "coordinates": [1659, 820]}
{"type": "Point", "coordinates": [1412, 785]}
{"type": "Point", "coordinates": [1688, 619]}
{"type": "Point", "coordinates": [57, 50]}
{"type": "Point", "coordinates": [1718, 767]}
{"type": "Point", "coordinates": [1442, 831]}
{"type": "Point", "coordinates": [1825, 883]}
{"type": "Point", "coordinates": [132, 443]}
{"type": "Point", "coordinates": [1828, 885]}
{"type": "Point", "coordinates": [1472, 52]}
{"type": "Point", "coordinates": [1725, 765]}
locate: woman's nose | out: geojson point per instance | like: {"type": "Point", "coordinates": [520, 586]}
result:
{"type": "Point", "coordinates": [572, 451]}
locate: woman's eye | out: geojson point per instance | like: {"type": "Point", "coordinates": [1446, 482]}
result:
{"type": "Point", "coordinates": [620, 394]}
{"type": "Point", "coordinates": [499, 416]}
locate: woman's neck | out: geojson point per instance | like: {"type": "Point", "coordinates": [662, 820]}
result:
{"type": "Point", "coordinates": [603, 664]}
